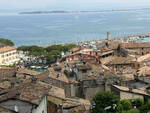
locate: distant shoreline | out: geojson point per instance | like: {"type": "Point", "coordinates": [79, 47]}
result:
{"type": "Point", "coordinates": [50, 12]}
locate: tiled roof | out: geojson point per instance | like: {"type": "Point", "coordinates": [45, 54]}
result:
{"type": "Point", "coordinates": [144, 71]}
{"type": "Point", "coordinates": [58, 75]}
{"type": "Point", "coordinates": [7, 72]}
{"type": "Point", "coordinates": [35, 91]}
{"type": "Point", "coordinates": [32, 92]}
{"type": "Point", "coordinates": [5, 85]}
{"type": "Point", "coordinates": [119, 60]}
{"type": "Point", "coordinates": [135, 45]}
{"type": "Point", "coordinates": [84, 67]}
{"type": "Point", "coordinates": [122, 88]}
{"type": "Point", "coordinates": [6, 49]}
{"type": "Point", "coordinates": [23, 70]}
{"type": "Point", "coordinates": [143, 58]}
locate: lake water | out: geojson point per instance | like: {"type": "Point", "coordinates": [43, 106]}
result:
{"type": "Point", "coordinates": [48, 29]}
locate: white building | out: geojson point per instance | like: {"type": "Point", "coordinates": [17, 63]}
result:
{"type": "Point", "coordinates": [8, 55]}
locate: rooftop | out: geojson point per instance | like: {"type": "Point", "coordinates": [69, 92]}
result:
{"type": "Point", "coordinates": [122, 88]}
{"type": "Point", "coordinates": [23, 70]}
{"type": "Point", "coordinates": [143, 58]}
{"type": "Point", "coordinates": [6, 49]}
{"type": "Point", "coordinates": [119, 60]}
{"type": "Point", "coordinates": [32, 92]}
{"type": "Point", "coordinates": [135, 45]}
{"type": "Point", "coordinates": [144, 71]}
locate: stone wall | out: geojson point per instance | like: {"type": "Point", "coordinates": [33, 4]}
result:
{"type": "Point", "coordinates": [89, 92]}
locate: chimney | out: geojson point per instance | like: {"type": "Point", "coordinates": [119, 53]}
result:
{"type": "Point", "coordinates": [108, 35]}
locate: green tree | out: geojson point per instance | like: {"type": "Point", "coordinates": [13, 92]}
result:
{"type": "Point", "coordinates": [55, 53]}
{"type": "Point", "coordinates": [145, 108]}
{"type": "Point", "coordinates": [54, 47]}
{"type": "Point", "coordinates": [103, 100]}
{"type": "Point", "coordinates": [131, 111]}
{"type": "Point", "coordinates": [14, 64]}
{"type": "Point", "coordinates": [119, 108]}
{"type": "Point", "coordinates": [138, 102]}
{"type": "Point", "coordinates": [6, 42]}
{"type": "Point", "coordinates": [19, 62]}
{"type": "Point", "coordinates": [126, 104]}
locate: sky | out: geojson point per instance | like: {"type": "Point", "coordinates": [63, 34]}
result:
{"type": "Point", "coordinates": [16, 5]}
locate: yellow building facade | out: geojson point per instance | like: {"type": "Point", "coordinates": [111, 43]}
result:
{"type": "Point", "coordinates": [8, 55]}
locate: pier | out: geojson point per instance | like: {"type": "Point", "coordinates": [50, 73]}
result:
{"type": "Point", "coordinates": [132, 37]}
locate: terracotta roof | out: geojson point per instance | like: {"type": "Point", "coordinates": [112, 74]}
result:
{"type": "Point", "coordinates": [119, 60]}
{"type": "Point", "coordinates": [32, 92]}
{"type": "Point", "coordinates": [135, 45]}
{"type": "Point", "coordinates": [84, 67]}
{"type": "Point", "coordinates": [6, 49]}
{"type": "Point", "coordinates": [23, 70]}
{"type": "Point", "coordinates": [143, 58]}
{"type": "Point", "coordinates": [105, 53]}
{"type": "Point", "coordinates": [68, 102]}
{"type": "Point", "coordinates": [137, 91]}
{"type": "Point", "coordinates": [5, 85]}
{"type": "Point", "coordinates": [7, 72]}
{"type": "Point", "coordinates": [75, 49]}
{"type": "Point", "coordinates": [35, 91]}
{"type": "Point", "coordinates": [144, 71]}
{"type": "Point", "coordinates": [58, 75]}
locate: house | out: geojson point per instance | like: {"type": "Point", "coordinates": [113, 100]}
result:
{"type": "Point", "coordinates": [53, 104]}
{"type": "Point", "coordinates": [143, 74]}
{"type": "Point", "coordinates": [25, 97]}
{"type": "Point", "coordinates": [118, 64]}
{"type": "Point", "coordinates": [82, 71]}
{"type": "Point", "coordinates": [8, 55]}
{"type": "Point", "coordinates": [129, 93]}
{"type": "Point", "coordinates": [137, 48]}
{"type": "Point", "coordinates": [143, 60]}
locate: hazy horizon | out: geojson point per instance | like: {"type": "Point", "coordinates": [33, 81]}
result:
{"type": "Point", "coordinates": [26, 5]}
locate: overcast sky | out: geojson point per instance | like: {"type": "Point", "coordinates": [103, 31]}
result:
{"type": "Point", "coordinates": [71, 4]}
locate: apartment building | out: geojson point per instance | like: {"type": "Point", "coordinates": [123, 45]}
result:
{"type": "Point", "coordinates": [8, 55]}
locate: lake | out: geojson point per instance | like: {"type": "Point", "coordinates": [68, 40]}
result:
{"type": "Point", "coordinates": [45, 29]}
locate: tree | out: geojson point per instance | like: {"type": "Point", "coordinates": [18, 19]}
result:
{"type": "Point", "coordinates": [6, 42]}
{"type": "Point", "coordinates": [126, 104]}
{"type": "Point", "coordinates": [14, 64]}
{"type": "Point", "coordinates": [138, 102]}
{"type": "Point", "coordinates": [119, 108]}
{"type": "Point", "coordinates": [131, 111]}
{"type": "Point", "coordinates": [103, 100]}
{"type": "Point", "coordinates": [19, 62]}
{"type": "Point", "coordinates": [145, 108]}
